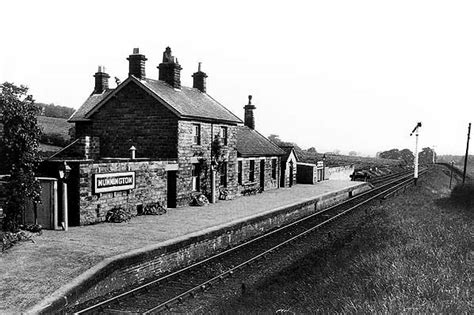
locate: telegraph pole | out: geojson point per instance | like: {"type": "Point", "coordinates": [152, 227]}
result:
{"type": "Point", "coordinates": [416, 131]}
{"type": "Point", "coordinates": [451, 177]}
{"type": "Point", "coordinates": [467, 154]}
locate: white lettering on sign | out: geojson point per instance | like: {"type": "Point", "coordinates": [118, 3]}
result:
{"type": "Point", "coordinates": [113, 182]}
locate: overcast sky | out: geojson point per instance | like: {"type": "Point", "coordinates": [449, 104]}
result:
{"type": "Point", "coordinates": [347, 75]}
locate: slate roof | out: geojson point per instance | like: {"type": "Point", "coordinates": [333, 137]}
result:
{"type": "Point", "coordinates": [185, 102]}
{"type": "Point", "coordinates": [89, 104]}
{"type": "Point", "coordinates": [250, 143]}
{"type": "Point", "coordinates": [287, 149]}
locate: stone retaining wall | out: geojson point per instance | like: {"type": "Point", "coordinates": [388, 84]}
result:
{"type": "Point", "coordinates": [137, 267]}
{"type": "Point", "coordinates": [339, 172]}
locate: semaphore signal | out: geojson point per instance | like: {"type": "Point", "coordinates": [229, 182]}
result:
{"type": "Point", "coordinates": [416, 131]}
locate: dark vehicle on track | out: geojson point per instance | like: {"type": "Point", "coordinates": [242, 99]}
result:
{"type": "Point", "coordinates": [361, 176]}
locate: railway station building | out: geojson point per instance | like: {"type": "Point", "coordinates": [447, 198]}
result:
{"type": "Point", "coordinates": [154, 140]}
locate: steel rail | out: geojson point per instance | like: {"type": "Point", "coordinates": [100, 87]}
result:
{"type": "Point", "coordinates": [230, 271]}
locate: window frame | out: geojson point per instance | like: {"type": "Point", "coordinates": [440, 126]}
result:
{"type": "Point", "coordinates": [274, 168]}
{"type": "Point", "coordinates": [239, 172]}
{"type": "Point", "coordinates": [196, 134]}
{"type": "Point", "coordinates": [224, 133]}
{"type": "Point", "coordinates": [252, 171]}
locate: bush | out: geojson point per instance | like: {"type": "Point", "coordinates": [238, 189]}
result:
{"type": "Point", "coordinates": [463, 193]}
{"type": "Point", "coordinates": [118, 215]}
{"type": "Point", "coordinates": [154, 208]}
{"type": "Point", "coordinates": [10, 239]}
{"type": "Point", "coordinates": [199, 200]}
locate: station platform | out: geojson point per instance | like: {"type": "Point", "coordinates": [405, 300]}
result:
{"type": "Point", "coordinates": [61, 268]}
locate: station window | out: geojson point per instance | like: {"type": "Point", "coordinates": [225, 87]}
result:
{"type": "Point", "coordinates": [224, 135]}
{"type": "Point", "coordinates": [196, 134]}
{"type": "Point", "coordinates": [252, 171]}
{"type": "Point", "coordinates": [239, 172]}
{"type": "Point", "coordinates": [223, 181]}
{"type": "Point", "coordinates": [195, 177]}
{"type": "Point", "coordinates": [274, 168]}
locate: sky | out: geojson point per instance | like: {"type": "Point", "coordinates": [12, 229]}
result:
{"type": "Point", "coordinates": [334, 75]}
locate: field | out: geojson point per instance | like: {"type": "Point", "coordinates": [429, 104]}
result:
{"type": "Point", "coordinates": [414, 253]}
{"type": "Point", "coordinates": [51, 125]}
{"type": "Point", "coordinates": [338, 160]}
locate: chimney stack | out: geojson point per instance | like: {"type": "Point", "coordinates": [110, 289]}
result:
{"type": "Point", "coordinates": [249, 119]}
{"type": "Point", "coordinates": [101, 80]}
{"type": "Point", "coordinates": [136, 65]}
{"type": "Point", "coordinates": [199, 80]}
{"type": "Point", "coordinates": [170, 70]}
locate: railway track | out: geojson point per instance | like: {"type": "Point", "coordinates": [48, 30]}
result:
{"type": "Point", "coordinates": [160, 294]}
{"type": "Point", "coordinates": [384, 178]}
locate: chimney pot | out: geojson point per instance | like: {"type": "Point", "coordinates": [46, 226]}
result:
{"type": "Point", "coordinates": [249, 119]}
{"type": "Point", "coordinates": [136, 65]}
{"type": "Point", "coordinates": [169, 70]}
{"type": "Point", "coordinates": [101, 80]}
{"type": "Point", "coordinates": [199, 79]}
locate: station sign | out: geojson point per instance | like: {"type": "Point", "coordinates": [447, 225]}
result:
{"type": "Point", "coordinates": [320, 164]}
{"type": "Point", "coordinates": [110, 182]}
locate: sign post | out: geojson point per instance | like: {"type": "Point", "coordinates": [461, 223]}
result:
{"type": "Point", "coordinates": [416, 131]}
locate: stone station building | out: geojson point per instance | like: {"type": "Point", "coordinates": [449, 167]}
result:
{"type": "Point", "coordinates": [149, 141]}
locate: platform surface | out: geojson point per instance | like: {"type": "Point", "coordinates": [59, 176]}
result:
{"type": "Point", "coordinates": [29, 272]}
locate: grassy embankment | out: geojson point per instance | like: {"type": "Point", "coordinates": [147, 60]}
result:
{"type": "Point", "coordinates": [359, 162]}
{"type": "Point", "coordinates": [414, 254]}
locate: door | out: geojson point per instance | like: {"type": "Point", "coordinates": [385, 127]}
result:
{"type": "Point", "coordinates": [262, 174]}
{"type": "Point", "coordinates": [171, 190]}
{"type": "Point", "coordinates": [291, 174]}
{"type": "Point", "coordinates": [282, 174]}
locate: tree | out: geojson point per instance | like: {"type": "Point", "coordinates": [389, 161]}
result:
{"type": "Point", "coordinates": [353, 153]}
{"type": "Point", "coordinates": [275, 139]}
{"type": "Point", "coordinates": [393, 154]}
{"type": "Point", "coordinates": [312, 150]}
{"type": "Point", "coordinates": [407, 156]}
{"type": "Point", "coordinates": [20, 151]}
{"type": "Point", "coordinates": [426, 156]}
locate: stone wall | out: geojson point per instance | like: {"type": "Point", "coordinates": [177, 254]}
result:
{"type": "Point", "coordinates": [190, 153]}
{"type": "Point", "coordinates": [151, 181]}
{"type": "Point", "coordinates": [137, 267]}
{"type": "Point", "coordinates": [133, 117]}
{"type": "Point", "coordinates": [270, 183]}
{"type": "Point", "coordinates": [339, 172]}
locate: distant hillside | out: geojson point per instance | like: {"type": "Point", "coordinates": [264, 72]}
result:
{"type": "Point", "coordinates": [51, 110]}
{"type": "Point", "coordinates": [359, 162]}
{"type": "Point", "coordinates": [55, 130]}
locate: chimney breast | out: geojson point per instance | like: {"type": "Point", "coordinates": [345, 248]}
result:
{"type": "Point", "coordinates": [101, 80]}
{"type": "Point", "coordinates": [199, 80]}
{"type": "Point", "coordinates": [249, 119]}
{"type": "Point", "coordinates": [136, 64]}
{"type": "Point", "coordinates": [170, 70]}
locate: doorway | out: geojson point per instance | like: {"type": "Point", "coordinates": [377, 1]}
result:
{"type": "Point", "coordinates": [282, 174]}
{"type": "Point", "coordinates": [262, 174]}
{"type": "Point", "coordinates": [291, 174]}
{"type": "Point", "coordinates": [171, 189]}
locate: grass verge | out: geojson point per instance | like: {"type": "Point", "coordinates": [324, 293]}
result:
{"type": "Point", "coordinates": [413, 254]}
